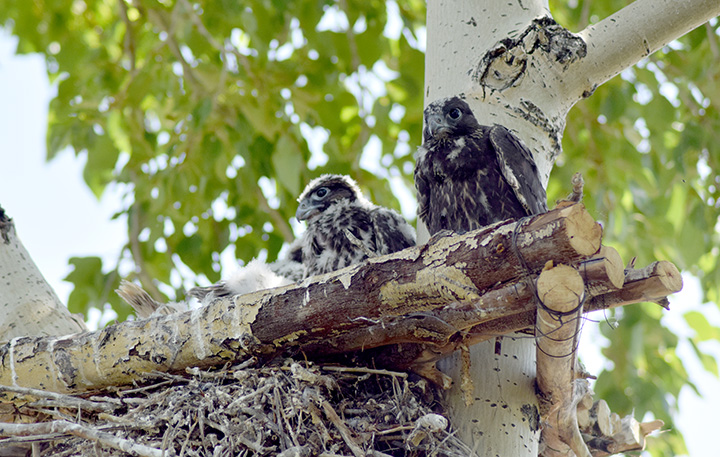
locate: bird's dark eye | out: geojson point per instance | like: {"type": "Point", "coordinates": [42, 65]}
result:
{"type": "Point", "coordinates": [322, 192]}
{"type": "Point", "coordinates": [455, 113]}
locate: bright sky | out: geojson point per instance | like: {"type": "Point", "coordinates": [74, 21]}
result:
{"type": "Point", "coordinates": [57, 217]}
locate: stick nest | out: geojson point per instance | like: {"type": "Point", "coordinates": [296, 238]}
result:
{"type": "Point", "coordinates": [290, 409]}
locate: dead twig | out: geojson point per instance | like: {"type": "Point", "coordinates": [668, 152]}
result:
{"type": "Point", "coordinates": [61, 427]}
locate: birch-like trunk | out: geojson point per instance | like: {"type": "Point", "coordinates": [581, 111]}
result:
{"type": "Point", "coordinates": [526, 75]}
{"type": "Point", "coordinates": [28, 305]}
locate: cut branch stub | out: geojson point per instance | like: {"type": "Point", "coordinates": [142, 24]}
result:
{"type": "Point", "coordinates": [603, 273]}
{"type": "Point", "coordinates": [651, 284]}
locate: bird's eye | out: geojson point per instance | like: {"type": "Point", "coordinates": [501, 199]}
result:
{"type": "Point", "coordinates": [455, 113]}
{"type": "Point", "coordinates": [322, 192]}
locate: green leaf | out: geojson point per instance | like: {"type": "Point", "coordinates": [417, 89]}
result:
{"type": "Point", "coordinates": [698, 322]}
{"type": "Point", "coordinates": [102, 156]}
{"type": "Point", "coordinates": [93, 288]}
{"type": "Point", "coordinates": [288, 163]}
{"type": "Point", "coordinates": [709, 362]}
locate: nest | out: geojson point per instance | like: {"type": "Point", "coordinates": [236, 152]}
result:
{"type": "Point", "coordinates": [288, 409]}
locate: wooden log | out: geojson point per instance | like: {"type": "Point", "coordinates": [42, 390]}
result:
{"type": "Point", "coordinates": [602, 273]}
{"type": "Point", "coordinates": [306, 316]}
{"type": "Point", "coordinates": [600, 415]}
{"type": "Point", "coordinates": [507, 308]}
{"type": "Point", "coordinates": [511, 302]}
{"type": "Point", "coordinates": [560, 290]}
{"type": "Point", "coordinates": [650, 284]}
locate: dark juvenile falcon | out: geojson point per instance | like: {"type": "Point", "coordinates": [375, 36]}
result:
{"type": "Point", "coordinates": [469, 175]}
{"type": "Point", "coordinates": [345, 228]}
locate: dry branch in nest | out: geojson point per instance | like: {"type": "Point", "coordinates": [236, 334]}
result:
{"type": "Point", "coordinates": [406, 310]}
{"type": "Point", "coordinates": [288, 409]}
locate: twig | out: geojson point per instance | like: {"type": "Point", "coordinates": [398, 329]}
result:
{"type": "Point", "coordinates": [399, 428]}
{"type": "Point", "coordinates": [712, 40]}
{"type": "Point", "coordinates": [343, 429]}
{"type": "Point", "coordinates": [122, 393]}
{"type": "Point", "coordinates": [65, 400]}
{"type": "Point", "coordinates": [136, 252]}
{"type": "Point", "coordinates": [61, 427]}
{"type": "Point", "coordinates": [158, 19]}
{"type": "Point", "coordinates": [280, 223]}
{"type": "Point", "coordinates": [359, 244]}
{"type": "Point", "coordinates": [187, 438]}
{"type": "Point", "coordinates": [28, 439]}
{"type": "Point", "coordinates": [244, 399]}
{"type": "Point", "coordinates": [364, 370]}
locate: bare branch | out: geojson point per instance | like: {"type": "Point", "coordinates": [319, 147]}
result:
{"type": "Point", "coordinates": [637, 31]}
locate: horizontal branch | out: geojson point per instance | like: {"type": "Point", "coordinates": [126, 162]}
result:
{"type": "Point", "coordinates": [418, 304]}
{"type": "Point", "coordinates": [653, 283]}
{"type": "Point", "coordinates": [650, 284]}
{"type": "Point", "coordinates": [312, 315]}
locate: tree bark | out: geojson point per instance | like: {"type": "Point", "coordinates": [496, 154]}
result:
{"type": "Point", "coordinates": [28, 305]}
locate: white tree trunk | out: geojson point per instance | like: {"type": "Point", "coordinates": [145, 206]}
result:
{"type": "Point", "coordinates": [528, 83]}
{"type": "Point", "coordinates": [28, 305]}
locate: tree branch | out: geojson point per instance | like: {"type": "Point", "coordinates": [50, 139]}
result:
{"type": "Point", "coordinates": [136, 251]}
{"type": "Point", "coordinates": [636, 31]}
{"type": "Point", "coordinates": [424, 302]}
{"type": "Point", "coordinates": [383, 301]}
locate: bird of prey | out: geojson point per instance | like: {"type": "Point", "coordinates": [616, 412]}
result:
{"type": "Point", "coordinates": [344, 228]}
{"type": "Point", "coordinates": [469, 175]}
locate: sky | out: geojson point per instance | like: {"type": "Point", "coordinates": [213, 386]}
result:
{"type": "Point", "coordinates": [57, 217]}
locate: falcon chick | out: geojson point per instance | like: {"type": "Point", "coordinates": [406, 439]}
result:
{"type": "Point", "coordinates": [344, 228]}
{"type": "Point", "coordinates": [469, 175]}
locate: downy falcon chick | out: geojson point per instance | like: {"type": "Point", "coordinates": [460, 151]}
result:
{"type": "Point", "coordinates": [345, 228]}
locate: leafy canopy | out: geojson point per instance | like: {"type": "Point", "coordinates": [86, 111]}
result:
{"type": "Point", "coordinates": [211, 117]}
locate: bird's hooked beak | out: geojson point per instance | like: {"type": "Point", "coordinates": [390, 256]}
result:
{"type": "Point", "coordinates": [307, 209]}
{"type": "Point", "coordinates": [437, 125]}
